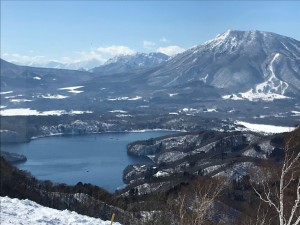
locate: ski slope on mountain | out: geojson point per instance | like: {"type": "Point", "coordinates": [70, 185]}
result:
{"type": "Point", "coordinates": [26, 212]}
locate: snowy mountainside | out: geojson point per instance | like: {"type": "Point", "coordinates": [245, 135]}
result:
{"type": "Point", "coordinates": [209, 153]}
{"type": "Point", "coordinates": [129, 63]}
{"type": "Point", "coordinates": [238, 62]}
{"type": "Point", "coordinates": [26, 87]}
{"type": "Point", "coordinates": [26, 212]}
{"type": "Point", "coordinates": [206, 79]}
{"type": "Point", "coordinates": [15, 77]}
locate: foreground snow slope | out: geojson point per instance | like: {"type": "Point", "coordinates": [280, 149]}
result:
{"type": "Point", "coordinates": [26, 212]}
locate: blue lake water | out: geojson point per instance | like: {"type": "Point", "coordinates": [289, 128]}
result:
{"type": "Point", "coordinates": [97, 158]}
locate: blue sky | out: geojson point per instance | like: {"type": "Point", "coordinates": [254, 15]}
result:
{"type": "Point", "coordinates": [81, 30]}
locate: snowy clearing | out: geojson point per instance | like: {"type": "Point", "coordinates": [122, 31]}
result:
{"type": "Point", "coordinates": [123, 115]}
{"type": "Point", "coordinates": [210, 110]}
{"type": "Point", "coordinates": [125, 98]}
{"type": "Point", "coordinates": [265, 128]}
{"type": "Point", "coordinates": [135, 98]}
{"type": "Point", "coordinates": [49, 96]}
{"type": "Point", "coordinates": [26, 212]}
{"type": "Point", "coordinates": [77, 112]}
{"type": "Point", "coordinates": [231, 111]}
{"type": "Point", "coordinates": [161, 174]}
{"type": "Point", "coordinates": [9, 97]}
{"type": "Point", "coordinates": [72, 89]}
{"type": "Point", "coordinates": [33, 112]}
{"type": "Point", "coordinates": [118, 111]}
{"type": "Point", "coordinates": [232, 97]}
{"type": "Point", "coordinates": [254, 96]}
{"type": "Point", "coordinates": [296, 113]}
{"type": "Point", "coordinates": [188, 110]}
{"type": "Point", "coordinates": [6, 92]}
{"type": "Point", "coordinates": [20, 100]}
{"type": "Point", "coordinates": [118, 99]}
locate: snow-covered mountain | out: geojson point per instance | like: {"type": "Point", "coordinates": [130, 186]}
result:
{"type": "Point", "coordinates": [26, 212]}
{"type": "Point", "coordinates": [236, 65]}
{"type": "Point", "coordinates": [246, 64]}
{"type": "Point", "coordinates": [129, 63]}
{"type": "Point", "coordinates": [251, 65]}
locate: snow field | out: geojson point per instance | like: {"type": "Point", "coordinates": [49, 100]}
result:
{"type": "Point", "coordinates": [26, 212]}
{"type": "Point", "coordinates": [265, 128]}
{"type": "Point", "coordinates": [33, 112]}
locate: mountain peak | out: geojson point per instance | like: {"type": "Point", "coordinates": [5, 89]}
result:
{"type": "Point", "coordinates": [139, 56]}
{"type": "Point", "coordinates": [247, 35]}
{"type": "Point", "coordinates": [239, 61]}
{"type": "Point", "coordinates": [129, 63]}
{"type": "Point", "coordinates": [234, 35]}
{"type": "Point", "coordinates": [254, 40]}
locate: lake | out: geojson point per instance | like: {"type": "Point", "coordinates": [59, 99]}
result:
{"type": "Point", "coordinates": [96, 158]}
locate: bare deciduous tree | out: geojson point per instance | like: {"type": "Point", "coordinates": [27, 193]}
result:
{"type": "Point", "coordinates": [194, 204]}
{"type": "Point", "coordinates": [261, 217]}
{"type": "Point", "coordinates": [284, 196]}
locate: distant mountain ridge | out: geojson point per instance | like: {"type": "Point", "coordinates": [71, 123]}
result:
{"type": "Point", "coordinates": [25, 77]}
{"type": "Point", "coordinates": [80, 65]}
{"type": "Point", "coordinates": [117, 64]}
{"type": "Point", "coordinates": [128, 63]}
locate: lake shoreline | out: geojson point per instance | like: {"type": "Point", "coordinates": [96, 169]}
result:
{"type": "Point", "coordinates": [104, 132]}
{"type": "Point", "coordinates": [104, 159]}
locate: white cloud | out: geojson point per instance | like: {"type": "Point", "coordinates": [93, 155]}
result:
{"type": "Point", "coordinates": [163, 39]}
{"type": "Point", "coordinates": [100, 54]}
{"type": "Point", "coordinates": [65, 59]}
{"type": "Point", "coordinates": [170, 50]}
{"type": "Point", "coordinates": [85, 56]}
{"type": "Point", "coordinates": [116, 50]}
{"type": "Point", "coordinates": [23, 59]}
{"type": "Point", "coordinates": [149, 44]}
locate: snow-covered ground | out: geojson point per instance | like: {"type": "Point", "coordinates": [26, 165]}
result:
{"type": "Point", "coordinates": [295, 113]}
{"type": "Point", "coordinates": [161, 174]}
{"type": "Point", "coordinates": [265, 128]}
{"type": "Point", "coordinates": [118, 111]}
{"type": "Point", "coordinates": [6, 92]}
{"type": "Point", "coordinates": [49, 96]}
{"type": "Point", "coordinates": [210, 110]}
{"type": "Point", "coordinates": [20, 100]}
{"type": "Point", "coordinates": [33, 112]}
{"type": "Point", "coordinates": [125, 98]}
{"type": "Point", "coordinates": [26, 212]}
{"type": "Point", "coordinates": [72, 89]}
{"type": "Point", "coordinates": [251, 95]}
